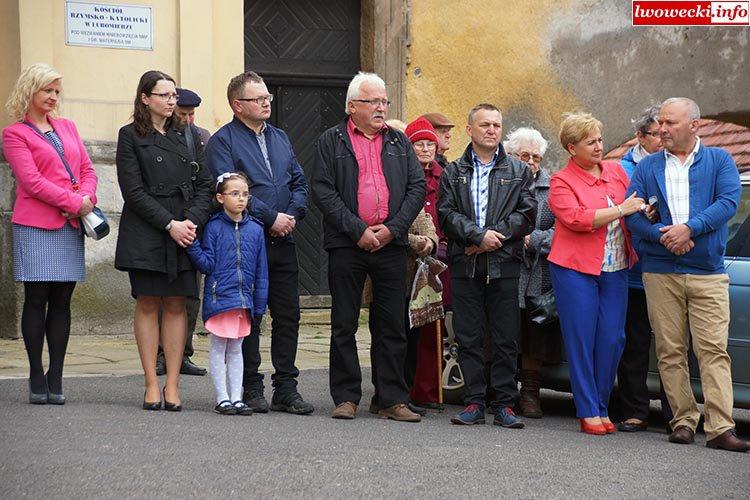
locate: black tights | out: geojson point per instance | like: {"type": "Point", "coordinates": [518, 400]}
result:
{"type": "Point", "coordinates": [46, 310]}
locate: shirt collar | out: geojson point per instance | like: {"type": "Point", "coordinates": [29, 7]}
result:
{"type": "Point", "coordinates": [352, 128]}
{"type": "Point", "coordinates": [477, 161]}
{"type": "Point", "coordinates": [690, 157]}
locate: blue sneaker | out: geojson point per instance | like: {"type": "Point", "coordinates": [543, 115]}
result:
{"type": "Point", "coordinates": [472, 414]}
{"type": "Point", "coordinates": [506, 418]}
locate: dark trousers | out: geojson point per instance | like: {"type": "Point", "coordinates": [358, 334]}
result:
{"type": "Point", "coordinates": [633, 369]}
{"type": "Point", "coordinates": [347, 271]}
{"type": "Point", "coordinates": [412, 345]}
{"type": "Point", "coordinates": [477, 307]}
{"type": "Point", "coordinates": [192, 307]}
{"type": "Point", "coordinates": [283, 302]}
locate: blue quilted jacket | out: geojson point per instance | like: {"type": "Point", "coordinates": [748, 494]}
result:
{"type": "Point", "coordinates": [232, 255]}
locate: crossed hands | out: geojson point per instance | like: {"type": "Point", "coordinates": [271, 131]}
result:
{"type": "Point", "coordinates": [86, 207]}
{"type": "Point", "coordinates": [183, 232]}
{"type": "Point", "coordinates": [492, 241]}
{"type": "Point", "coordinates": [677, 238]}
{"type": "Point", "coordinates": [374, 238]}
{"type": "Point", "coordinates": [283, 225]}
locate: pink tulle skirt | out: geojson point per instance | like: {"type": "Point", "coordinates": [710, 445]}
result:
{"type": "Point", "coordinates": [233, 324]}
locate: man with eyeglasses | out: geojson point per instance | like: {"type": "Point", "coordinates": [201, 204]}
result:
{"type": "Point", "coordinates": [443, 127]}
{"type": "Point", "coordinates": [278, 190]}
{"type": "Point", "coordinates": [369, 186]}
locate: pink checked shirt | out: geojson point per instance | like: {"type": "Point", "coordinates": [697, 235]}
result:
{"type": "Point", "coordinates": [372, 193]}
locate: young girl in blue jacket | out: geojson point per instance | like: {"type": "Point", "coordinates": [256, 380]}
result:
{"type": "Point", "coordinates": [232, 255]}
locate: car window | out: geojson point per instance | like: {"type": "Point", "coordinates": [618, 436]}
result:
{"type": "Point", "coordinates": [738, 244]}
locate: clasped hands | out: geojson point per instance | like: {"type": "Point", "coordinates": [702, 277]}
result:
{"type": "Point", "coordinates": [86, 207]}
{"type": "Point", "coordinates": [283, 225]}
{"type": "Point", "coordinates": [375, 237]}
{"type": "Point", "coordinates": [492, 241]}
{"type": "Point", "coordinates": [183, 232]}
{"type": "Point", "coordinates": [677, 238]}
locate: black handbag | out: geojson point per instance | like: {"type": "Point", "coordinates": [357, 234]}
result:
{"type": "Point", "coordinates": [542, 309]}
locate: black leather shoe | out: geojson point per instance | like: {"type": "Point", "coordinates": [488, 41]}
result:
{"type": "Point", "coordinates": [170, 406]}
{"type": "Point", "coordinates": [52, 398]}
{"type": "Point", "coordinates": [682, 435]}
{"type": "Point", "coordinates": [419, 410]}
{"type": "Point", "coordinates": [255, 399]}
{"type": "Point", "coordinates": [190, 368]}
{"type": "Point", "coordinates": [291, 402]}
{"type": "Point", "coordinates": [161, 366]}
{"type": "Point", "coordinates": [151, 406]}
{"type": "Point", "coordinates": [625, 426]}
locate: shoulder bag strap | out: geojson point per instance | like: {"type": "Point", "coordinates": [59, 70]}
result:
{"type": "Point", "coordinates": [33, 127]}
{"type": "Point", "coordinates": [190, 142]}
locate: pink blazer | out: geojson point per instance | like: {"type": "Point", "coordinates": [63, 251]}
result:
{"type": "Point", "coordinates": [43, 187]}
{"type": "Point", "coordinates": [574, 197]}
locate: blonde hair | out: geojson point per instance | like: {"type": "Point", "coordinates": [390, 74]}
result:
{"type": "Point", "coordinates": [576, 126]}
{"type": "Point", "coordinates": [30, 81]}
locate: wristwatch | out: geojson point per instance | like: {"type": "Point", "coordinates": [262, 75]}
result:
{"type": "Point", "coordinates": [168, 227]}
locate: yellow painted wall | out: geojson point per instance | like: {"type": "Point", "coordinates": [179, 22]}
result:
{"type": "Point", "coordinates": [10, 53]}
{"type": "Point", "coordinates": [197, 42]}
{"type": "Point", "coordinates": [482, 51]}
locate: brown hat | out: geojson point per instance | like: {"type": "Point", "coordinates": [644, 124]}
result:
{"type": "Point", "coordinates": [438, 120]}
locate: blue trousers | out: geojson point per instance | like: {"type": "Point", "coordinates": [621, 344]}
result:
{"type": "Point", "coordinates": [592, 312]}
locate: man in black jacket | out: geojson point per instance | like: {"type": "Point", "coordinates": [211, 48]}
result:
{"type": "Point", "coordinates": [369, 186]}
{"type": "Point", "coordinates": [486, 207]}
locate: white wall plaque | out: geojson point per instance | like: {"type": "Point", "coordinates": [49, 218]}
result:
{"type": "Point", "coordinates": [108, 25]}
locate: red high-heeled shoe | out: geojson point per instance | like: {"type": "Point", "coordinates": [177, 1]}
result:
{"type": "Point", "coordinates": [593, 429]}
{"type": "Point", "coordinates": [609, 427]}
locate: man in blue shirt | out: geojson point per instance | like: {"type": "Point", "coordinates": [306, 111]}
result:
{"type": "Point", "coordinates": [682, 257]}
{"type": "Point", "coordinates": [279, 199]}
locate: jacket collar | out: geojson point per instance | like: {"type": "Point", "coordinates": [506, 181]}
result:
{"type": "Point", "coordinates": [173, 140]}
{"type": "Point", "coordinates": [605, 167]}
{"type": "Point", "coordinates": [542, 179]}
{"type": "Point", "coordinates": [467, 159]}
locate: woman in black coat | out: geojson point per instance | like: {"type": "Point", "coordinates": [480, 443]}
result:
{"type": "Point", "coordinates": [167, 192]}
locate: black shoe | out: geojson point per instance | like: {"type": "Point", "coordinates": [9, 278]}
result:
{"type": "Point", "coordinates": [151, 406]}
{"type": "Point", "coordinates": [255, 399]}
{"type": "Point", "coordinates": [37, 399]}
{"type": "Point", "coordinates": [190, 368]}
{"type": "Point", "coordinates": [291, 402]}
{"type": "Point", "coordinates": [161, 365]}
{"type": "Point", "coordinates": [421, 411]}
{"type": "Point", "coordinates": [170, 406]}
{"type": "Point", "coordinates": [52, 398]}
{"type": "Point", "coordinates": [242, 409]}
{"type": "Point", "coordinates": [626, 426]}
{"type": "Point", "coordinates": [225, 408]}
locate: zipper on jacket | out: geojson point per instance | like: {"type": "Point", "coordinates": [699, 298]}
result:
{"type": "Point", "coordinates": [213, 291]}
{"type": "Point", "coordinates": [239, 262]}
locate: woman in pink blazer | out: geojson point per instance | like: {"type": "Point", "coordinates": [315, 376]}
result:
{"type": "Point", "coordinates": [588, 262]}
{"type": "Point", "coordinates": [48, 250]}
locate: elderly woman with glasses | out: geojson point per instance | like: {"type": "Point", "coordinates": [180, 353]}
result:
{"type": "Point", "coordinates": [539, 344]}
{"type": "Point", "coordinates": [167, 194]}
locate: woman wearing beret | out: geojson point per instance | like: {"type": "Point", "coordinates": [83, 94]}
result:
{"type": "Point", "coordinates": [55, 186]}
{"type": "Point", "coordinates": [167, 192]}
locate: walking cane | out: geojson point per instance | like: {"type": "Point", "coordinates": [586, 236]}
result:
{"type": "Point", "coordinates": [439, 335]}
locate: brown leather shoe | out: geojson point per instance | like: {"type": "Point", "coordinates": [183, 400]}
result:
{"type": "Point", "coordinates": [345, 411]}
{"type": "Point", "coordinates": [682, 435]}
{"type": "Point", "coordinates": [399, 412]}
{"type": "Point", "coordinates": [529, 403]}
{"type": "Point", "coordinates": [728, 441]}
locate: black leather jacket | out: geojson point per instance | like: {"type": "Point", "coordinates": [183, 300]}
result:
{"type": "Point", "coordinates": [335, 179]}
{"type": "Point", "coordinates": [511, 210]}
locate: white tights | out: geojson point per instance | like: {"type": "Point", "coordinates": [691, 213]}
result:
{"type": "Point", "coordinates": [225, 359]}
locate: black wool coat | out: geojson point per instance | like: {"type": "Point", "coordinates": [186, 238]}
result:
{"type": "Point", "coordinates": [159, 181]}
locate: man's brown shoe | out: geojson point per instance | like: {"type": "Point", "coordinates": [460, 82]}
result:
{"type": "Point", "coordinates": [728, 441]}
{"type": "Point", "coordinates": [682, 435]}
{"type": "Point", "coordinates": [400, 412]}
{"type": "Point", "coordinates": [345, 411]}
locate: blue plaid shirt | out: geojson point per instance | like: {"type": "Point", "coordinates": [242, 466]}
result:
{"type": "Point", "coordinates": [480, 185]}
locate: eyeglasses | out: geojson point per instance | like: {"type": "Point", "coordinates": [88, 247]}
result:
{"type": "Point", "coordinates": [374, 102]}
{"type": "Point", "coordinates": [425, 145]}
{"type": "Point", "coordinates": [237, 194]}
{"type": "Point", "coordinates": [652, 134]}
{"type": "Point", "coordinates": [529, 156]}
{"type": "Point", "coordinates": [166, 96]}
{"type": "Point", "coordinates": [257, 100]}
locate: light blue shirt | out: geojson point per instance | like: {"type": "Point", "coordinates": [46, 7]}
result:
{"type": "Point", "coordinates": [480, 186]}
{"type": "Point", "coordinates": [264, 149]}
